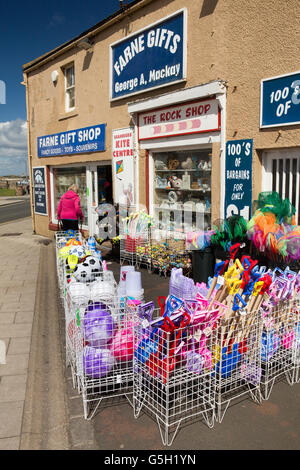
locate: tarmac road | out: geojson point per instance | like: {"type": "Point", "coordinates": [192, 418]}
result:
{"type": "Point", "coordinates": [18, 209]}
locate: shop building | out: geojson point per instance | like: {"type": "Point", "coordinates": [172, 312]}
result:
{"type": "Point", "coordinates": [171, 105]}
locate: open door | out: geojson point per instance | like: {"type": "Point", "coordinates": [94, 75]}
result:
{"type": "Point", "coordinates": [99, 191]}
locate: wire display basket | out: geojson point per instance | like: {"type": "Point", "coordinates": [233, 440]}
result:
{"type": "Point", "coordinates": [61, 251]}
{"type": "Point", "coordinates": [78, 296]}
{"type": "Point", "coordinates": [173, 378]}
{"type": "Point", "coordinates": [280, 346]}
{"type": "Point", "coordinates": [237, 360]}
{"type": "Point", "coordinates": [104, 352]}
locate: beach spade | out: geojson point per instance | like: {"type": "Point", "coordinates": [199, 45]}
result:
{"type": "Point", "coordinates": [270, 342]}
{"type": "Point", "coordinates": [164, 367]}
{"type": "Point", "coordinates": [229, 360]}
{"type": "Point", "coordinates": [146, 347]}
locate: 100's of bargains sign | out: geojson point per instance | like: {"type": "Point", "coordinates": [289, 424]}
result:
{"type": "Point", "coordinates": [238, 178]}
{"type": "Point", "coordinates": [150, 58]}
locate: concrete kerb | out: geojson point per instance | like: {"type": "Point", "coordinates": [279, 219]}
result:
{"type": "Point", "coordinates": [7, 200]}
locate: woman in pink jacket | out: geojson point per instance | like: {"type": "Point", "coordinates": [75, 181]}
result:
{"type": "Point", "coordinates": [69, 210]}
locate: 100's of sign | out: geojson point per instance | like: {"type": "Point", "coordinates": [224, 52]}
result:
{"type": "Point", "coordinates": [280, 100]}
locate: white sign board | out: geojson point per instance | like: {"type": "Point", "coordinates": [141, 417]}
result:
{"type": "Point", "coordinates": [123, 166]}
{"type": "Point", "coordinates": [189, 118]}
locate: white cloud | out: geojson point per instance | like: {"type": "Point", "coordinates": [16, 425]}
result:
{"type": "Point", "coordinates": [57, 19]}
{"type": "Point", "coordinates": [13, 147]}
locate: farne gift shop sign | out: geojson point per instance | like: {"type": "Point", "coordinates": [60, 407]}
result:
{"type": "Point", "coordinates": [150, 58]}
{"type": "Point", "coordinates": [84, 140]}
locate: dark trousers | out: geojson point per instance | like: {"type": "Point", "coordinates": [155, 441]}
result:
{"type": "Point", "coordinates": [69, 224]}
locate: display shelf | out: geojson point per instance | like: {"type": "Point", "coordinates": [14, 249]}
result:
{"type": "Point", "coordinates": [175, 185]}
{"type": "Point", "coordinates": [182, 189]}
{"type": "Point", "coordinates": [182, 169]}
{"type": "Point", "coordinates": [194, 211]}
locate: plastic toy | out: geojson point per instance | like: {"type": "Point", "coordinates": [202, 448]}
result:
{"type": "Point", "coordinates": [97, 362]}
{"type": "Point", "coordinates": [98, 325]}
{"type": "Point", "coordinates": [122, 345]}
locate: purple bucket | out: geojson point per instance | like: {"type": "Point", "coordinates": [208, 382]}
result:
{"type": "Point", "coordinates": [98, 325]}
{"type": "Point", "coordinates": [97, 362]}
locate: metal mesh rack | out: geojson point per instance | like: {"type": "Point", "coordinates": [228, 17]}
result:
{"type": "Point", "coordinates": [172, 382]}
{"type": "Point", "coordinates": [127, 250]}
{"type": "Point", "coordinates": [104, 353]}
{"type": "Point", "coordinates": [280, 346]}
{"type": "Point", "coordinates": [76, 299]}
{"type": "Point", "coordinates": [237, 360]}
{"type": "Point", "coordinates": [61, 238]}
{"type": "Point", "coordinates": [143, 251]}
{"type": "Point", "coordinates": [127, 242]}
{"type": "Point", "coordinates": [294, 372]}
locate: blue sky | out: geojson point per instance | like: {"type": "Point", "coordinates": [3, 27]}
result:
{"type": "Point", "coordinates": [28, 30]}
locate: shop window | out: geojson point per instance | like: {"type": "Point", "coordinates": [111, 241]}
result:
{"type": "Point", "coordinates": [182, 190]}
{"type": "Point", "coordinates": [69, 87]}
{"type": "Point", "coordinates": [64, 178]}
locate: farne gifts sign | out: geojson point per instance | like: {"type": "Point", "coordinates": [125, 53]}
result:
{"type": "Point", "coordinates": [151, 58]}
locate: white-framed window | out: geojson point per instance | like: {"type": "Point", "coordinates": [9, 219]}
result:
{"type": "Point", "coordinates": [180, 188]}
{"type": "Point", "coordinates": [69, 72]}
{"type": "Point", "coordinates": [281, 173]}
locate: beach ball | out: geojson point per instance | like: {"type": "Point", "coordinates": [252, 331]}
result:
{"type": "Point", "coordinates": [97, 362]}
{"type": "Point", "coordinates": [98, 325]}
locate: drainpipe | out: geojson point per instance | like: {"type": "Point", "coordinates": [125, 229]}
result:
{"type": "Point", "coordinates": [25, 83]}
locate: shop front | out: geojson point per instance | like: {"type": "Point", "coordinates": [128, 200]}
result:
{"type": "Point", "coordinates": [93, 178]}
{"type": "Point", "coordinates": [180, 132]}
{"type": "Point", "coordinates": [182, 143]}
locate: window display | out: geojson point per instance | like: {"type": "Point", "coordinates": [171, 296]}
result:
{"type": "Point", "coordinates": [65, 177]}
{"type": "Point", "coordinates": [182, 182]}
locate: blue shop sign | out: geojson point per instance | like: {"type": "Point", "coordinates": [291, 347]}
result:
{"type": "Point", "coordinates": [86, 139]}
{"type": "Point", "coordinates": [280, 100]}
{"type": "Point", "coordinates": [153, 57]}
{"type": "Point", "coordinates": [40, 193]}
{"type": "Point", "coordinates": [238, 178]}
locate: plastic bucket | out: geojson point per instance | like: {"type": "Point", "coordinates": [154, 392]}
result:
{"type": "Point", "coordinates": [203, 263]}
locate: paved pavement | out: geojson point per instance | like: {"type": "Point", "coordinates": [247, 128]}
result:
{"type": "Point", "coordinates": [39, 408]}
{"type": "Point", "coordinates": [19, 253]}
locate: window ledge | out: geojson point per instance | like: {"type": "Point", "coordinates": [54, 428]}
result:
{"type": "Point", "coordinates": [67, 115]}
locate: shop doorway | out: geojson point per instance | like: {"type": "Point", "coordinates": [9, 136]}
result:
{"type": "Point", "coordinates": [281, 173]}
{"type": "Point", "coordinates": [99, 189]}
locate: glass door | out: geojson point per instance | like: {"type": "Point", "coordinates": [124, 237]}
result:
{"type": "Point", "coordinates": [99, 191]}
